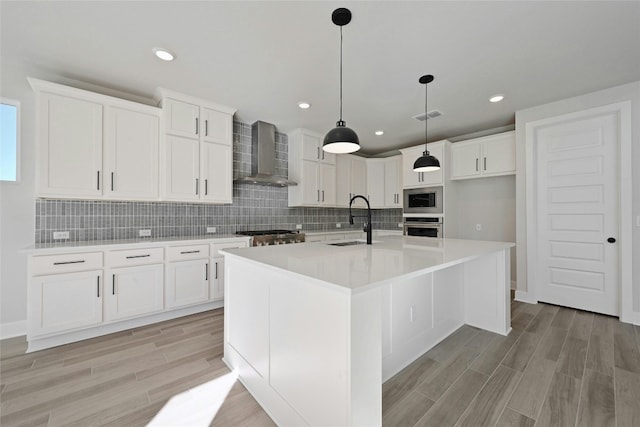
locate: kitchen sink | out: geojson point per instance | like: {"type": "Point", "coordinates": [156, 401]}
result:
{"type": "Point", "coordinates": [351, 243]}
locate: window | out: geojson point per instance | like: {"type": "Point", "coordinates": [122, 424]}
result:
{"type": "Point", "coordinates": [9, 140]}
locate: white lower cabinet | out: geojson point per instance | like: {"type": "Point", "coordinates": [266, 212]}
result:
{"type": "Point", "coordinates": [61, 302]}
{"type": "Point", "coordinates": [133, 291]}
{"type": "Point", "coordinates": [187, 283]}
{"type": "Point", "coordinates": [216, 283]}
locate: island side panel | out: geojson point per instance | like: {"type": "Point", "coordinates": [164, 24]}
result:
{"type": "Point", "coordinates": [487, 281]}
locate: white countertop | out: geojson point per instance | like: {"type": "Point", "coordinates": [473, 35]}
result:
{"type": "Point", "coordinates": [143, 242]}
{"type": "Point", "coordinates": [359, 267]}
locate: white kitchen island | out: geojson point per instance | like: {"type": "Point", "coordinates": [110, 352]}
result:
{"type": "Point", "coordinates": [313, 329]}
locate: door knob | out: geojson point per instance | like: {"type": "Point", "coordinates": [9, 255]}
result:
{"type": "Point", "coordinates": [611, 240]}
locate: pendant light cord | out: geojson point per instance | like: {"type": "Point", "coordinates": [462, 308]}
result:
{"type": "Point", "coordinates": [426, 117]}
{"type": "Point", "coordinates": [340, 73]}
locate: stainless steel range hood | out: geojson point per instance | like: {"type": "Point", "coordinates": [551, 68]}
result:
{"type": "Point", "coordinates": [263, 157]}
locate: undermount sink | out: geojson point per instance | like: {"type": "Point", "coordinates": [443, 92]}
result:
{"type": "Point", "coordinates": [351, 243]}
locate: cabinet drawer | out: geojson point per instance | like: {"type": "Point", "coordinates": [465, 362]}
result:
{"type": "Point", "coordinates": [178, 253]}
{"type": "Point", "coordinates": [65, 263]}
{"type": "Point", "coordinates": [215, 247]}
{"type": "Point", "coordinates": [129, 257]}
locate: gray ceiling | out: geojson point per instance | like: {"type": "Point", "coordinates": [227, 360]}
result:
{"type": "Point", "coordinates": [264, 57]}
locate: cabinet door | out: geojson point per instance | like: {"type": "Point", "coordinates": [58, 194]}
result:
{"type": "Point", "coordinates": [435, 177]}
{"type": "Point", "coordinates": [376, 183]}
{"type": "Point", "coordinates": [70, 141]}
{"type": "Point", "coordinates": [182, 171]}
{"type": "Point", "coordinates": [181, 118]}
{"type": "Point", "coordinates": [187, 283]}
{"type": "Point", "coordinates": [392, 182]}
{"type": "Point", "coordinates": [216, 126]}
{"type": "Point", "coordinates": [327, 184]}
{"type": "Point", "coordinates": [134, 291]}
{"type": "Point", "coordinates": [216, 287]}
{"type": "Point", "coordinates": [64, 302]}
{"type": "Point", "coordinates": [343, 184]}
{"type": "Point", "coordinates": [216, 172]}
{"type": "Point", "coordinates": [411, 179]}
{"type": "Point", "coordinates": [131, 153]}
{"type": "Point", "coordinates": [310, 184]}
{"type": "Point", "coordinates": [411, 309]}
{"type": "Point", "coordinates": [499, 155]}
{"type": "Point", "coordinates": [311, 147]}
{"type": "Point", "coordinates": [465, 160]}
{"type": "Point", "coordinates": [359, 180]}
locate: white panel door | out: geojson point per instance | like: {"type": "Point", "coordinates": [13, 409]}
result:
{"type": "Point", "coordinates": [376, 183]}
{"type": "Point", "coordinates": [216, 126]}
{"type": "Point", "coordinates": [392, 182]}
{"type": "Point", "coordinates": [327, 184]}
{"type": "Point", "coordinates": [411, 179]}
{"type": "Point", "coordinates": [435, 177]}
{"type": "Point", "coordinates": [311, 147]}
{"type": "Point", "coordinates": [577, 211]}
{"type": "Point", "coordinates": [131, 154]}
{"type": "Point", "coordinates": [134, 291]}
{"type": "Point", "coordinates": [182, 118]}
{"type": "Point", "coordinates": [499, 154]}
{"type": "Point", "coordinates": [359, 180]}
{"type": "Point", "coordinates": [216, 172]}
{"type": "Point", "coordinates": [187, 283]}
{"type": "Point", "coordinates": [343, 181]}
{"type": "Point", "coordinates": [310, 183]}
{"type": "Point", "coordinates": [182, 169]}
{"type": "Point", "coordinates": [465, 160]}
{"type": "Point", "coordinates": [70, 153]}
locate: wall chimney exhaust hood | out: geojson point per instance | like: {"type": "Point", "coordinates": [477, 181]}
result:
{"type": "Point", "coordinates": [263, 158]}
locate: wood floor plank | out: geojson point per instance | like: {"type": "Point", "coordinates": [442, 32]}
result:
{"type": "Point", "coordinates": [511, 418]}
{"type": "Point", "coordinates": [402, 383]}
{"type": "Point", "coordinates": [136, 418]}
{"type": "Point", "coordinates": [453, 403]}
{"type": "Point", "coordinates": [522, 320]}
{"type": "Point", "coordinates": [436, 384]}
{"type": "Point", "coordinates": [97, 410]}
{"type": "Point", "coordinates": [543, 319]}
{"type": "Point", "coordinates": [551, 343]}
{"type": "Point", "coordinates": [581, 325]}
{"type": "Point", "coordinates": [481, 340]}
{"type": "Point", "coordinates": [41, 382]}
{"type": "Point", "coordinates": [519, 355]}
{"type": "Point", "coordinates": [564, 318]}
{"type": "Point", "coordinates": [627, 388]}
{"type": "Point", "coordinates": [600, 351]}
{"type": "Point", "coordinates": [625, 349]}
{"type": "Point", "coordinates": [446, 347]}
{"type": "Point", "coordinates": [560, 407]}
{"type": "Point", "coordinates": [573, 357]}
{"type": "Point", "coordinates": [597, 402]}
{"type": "Point", "coordinates": [487, 406]}
{"type": "Point", "coordinates": [528, 397]}
{"type": "Point", "coordinates": [493, 354]}
{"type": "Point", "coordinates": [407, 411]}
{"type": "Point", "coordinates": [239, 409]}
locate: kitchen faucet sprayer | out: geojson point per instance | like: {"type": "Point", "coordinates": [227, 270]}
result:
{"type": "Point", "coordinates": [367, 225]}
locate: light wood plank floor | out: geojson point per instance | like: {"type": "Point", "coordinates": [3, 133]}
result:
{"type": "Point", "coordinates": [559, 366]}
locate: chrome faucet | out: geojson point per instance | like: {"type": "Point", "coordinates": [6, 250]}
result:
{"type": "Point", "coordinates": [367, 225]}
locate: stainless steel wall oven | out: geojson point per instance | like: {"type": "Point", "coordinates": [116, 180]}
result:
{"type": "Point", "coordinates": [426, 200]}
{"type": "Point", "coordinates": [423, 227]}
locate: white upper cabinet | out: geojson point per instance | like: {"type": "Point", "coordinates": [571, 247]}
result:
{"type": "Point", "coordinates": [393, 182]}
{"type": "Point", "coordinates": [413, 179]}
{"type": "Point", "coordinates": [351, 179]}
{"type": "Point", "coordinates": [93, 146]}
{"type": "Point", "coordinates": [208, 177]}
{"type": "Point", "coordinates": [315, 175]}
{"type": "Point", "coordinates": [69, 156]}
{"type": "Point", "coordinates": [131, 153]}
{"type": "Point", "coordinates": [492, 155]}
{"type": "Point", "coordinates": [375, 182]}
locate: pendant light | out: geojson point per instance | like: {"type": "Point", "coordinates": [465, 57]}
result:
{"type": "Point", "coordinates": [426, 162]}
{"type": "Point", "coordinates": [341, 139]}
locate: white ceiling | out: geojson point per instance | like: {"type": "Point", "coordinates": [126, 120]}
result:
{"type": "Point", "coordinates": [263, 57]}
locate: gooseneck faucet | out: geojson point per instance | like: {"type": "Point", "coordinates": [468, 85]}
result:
{"type": "Point", "coordinates": [367, 225]}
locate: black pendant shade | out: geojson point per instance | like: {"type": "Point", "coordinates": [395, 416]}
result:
{"type": "Point", "coordinates": [426, 162]}
{"type": "Point", "coordinates": [341, 139]}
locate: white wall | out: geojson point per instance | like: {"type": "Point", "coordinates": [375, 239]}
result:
{"type": "Point", "coordinates": [616, 94]}
{"type": "Point", "coordinates": [490, 202]}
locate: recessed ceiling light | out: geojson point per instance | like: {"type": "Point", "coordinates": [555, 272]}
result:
{"type": "Point", "coordinates": [379, 132]}
{"type": "Point", "coordinates": [496, 98]}
{"type": "Point", "coordinates": [304, 105]}
{"type": "Point", "coordinates": [163, 54]}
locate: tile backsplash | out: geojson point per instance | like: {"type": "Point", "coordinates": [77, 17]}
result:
{"type": "Point", "coordinates": [254, 207]}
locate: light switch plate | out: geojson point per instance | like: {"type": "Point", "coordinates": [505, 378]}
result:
{"type": "Point", "coordinates": [60, 235]}
{"type": "Point", "coordinates": [144, 233]}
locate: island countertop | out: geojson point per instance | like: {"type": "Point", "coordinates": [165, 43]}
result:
{"type": "Point", "coordinates": [359, 267]}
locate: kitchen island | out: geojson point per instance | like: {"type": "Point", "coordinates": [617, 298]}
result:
{"type": "Point", "coordinates": [314, 329]}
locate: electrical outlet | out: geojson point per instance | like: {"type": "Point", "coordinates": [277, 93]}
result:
{"type": "Point", "coordinates": [144, 233]}
{"type": "Point", "coordinates": [298, 226]}
{"type": "Point", "coordinates": [478, 227]}
{"type": "Point", "coordinates": [338, 225]}
{"type": "Point", "coordinates": [400, 225]}
{"type": "Point", "coordinates": [60, 235]}
{"type": "Point", "coordinates": [211, 229]}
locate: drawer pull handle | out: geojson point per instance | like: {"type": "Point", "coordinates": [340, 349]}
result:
{"type": "Point", "coordinates": [190, 252]}
{"type": "Point", "coordinates": [138, 256]}
{"type": "Point", "coordinates": [98, 286]}
{"type": "Point", "coordinates": [68, 262]}
{"type": "Point", "coordinates": [206, 272]}
{"type": "Point", "coordinates": [113, 284]}
{"type": "Point", "coordinates": [216, 270]}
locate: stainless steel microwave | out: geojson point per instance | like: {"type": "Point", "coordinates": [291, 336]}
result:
{"type": "Point", "coordinates": [423, 200]}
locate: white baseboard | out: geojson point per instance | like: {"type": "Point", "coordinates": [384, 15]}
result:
{"type": "Point", "coordinates": [13, 329]}
{"type": "Point", "coordinates": [524, 296]}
